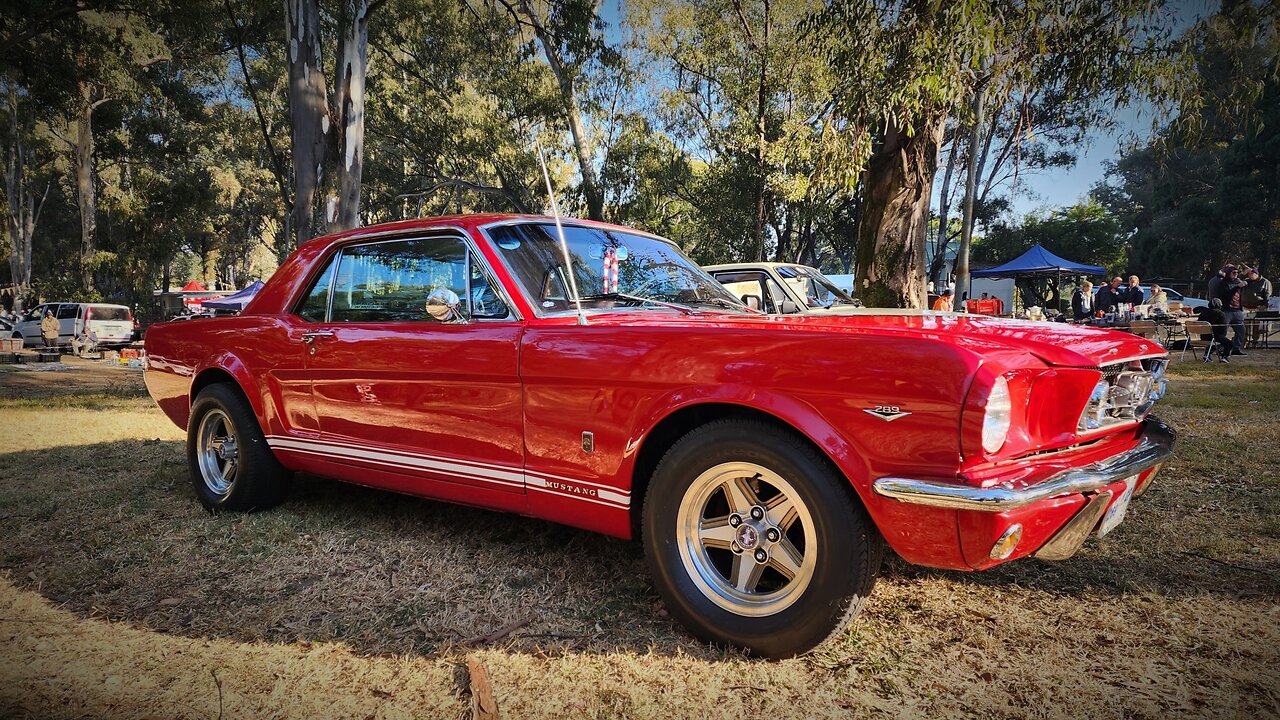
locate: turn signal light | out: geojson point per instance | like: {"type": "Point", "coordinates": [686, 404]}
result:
{"type": "Point", "coordinates": [1008, 541]}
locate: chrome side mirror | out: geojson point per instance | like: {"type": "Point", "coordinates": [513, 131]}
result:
{"type": "Point", "coordinates": [444, 305]}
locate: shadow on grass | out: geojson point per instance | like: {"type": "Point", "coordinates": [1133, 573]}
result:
{"type": "Point", "coordinates": [114, 530]}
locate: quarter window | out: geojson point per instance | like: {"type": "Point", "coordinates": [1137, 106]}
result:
{"type": "Point", "coordinates": [316, 305]}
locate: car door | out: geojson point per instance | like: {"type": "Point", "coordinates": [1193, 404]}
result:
{"type": "Point", "coordinates": [67, 315]}
{"type": "Point", "coordinates": [428, 392]}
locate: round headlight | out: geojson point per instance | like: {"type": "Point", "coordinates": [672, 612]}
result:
{"type": "Point", "coordinates": [998, 415]}
{"type": "Point", "coordinates": [1095, 412]}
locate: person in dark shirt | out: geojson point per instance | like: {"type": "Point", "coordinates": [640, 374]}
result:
{"type": "Point", "coordinates": [1108, 296]}
{"type": "Point", "coordinates": [1217, 319]}
{"type": "Point", "coordinates": [1229, 290]}
{"type": "Point", "coordinates": [1133, 292]}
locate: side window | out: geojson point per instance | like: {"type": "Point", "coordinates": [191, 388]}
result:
{"type": "Point", "coordinates": [749, 283]}
{"type": "Point", "coordinates": [316, 304]}
{"type": "Point", "coordinates": [390, 281]}
{"type": "Point", "coordinates": [67, 311]}
{"type": "Point", "coordinates": [485, 301]}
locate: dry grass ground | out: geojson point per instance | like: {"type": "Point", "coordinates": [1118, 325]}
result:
{"type": "Point", "coordinates": [120, 597]}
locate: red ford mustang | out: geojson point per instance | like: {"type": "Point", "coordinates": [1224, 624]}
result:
{"type": "Point", "coordinates": [763, 461]}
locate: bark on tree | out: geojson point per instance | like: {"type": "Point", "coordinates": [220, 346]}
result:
{"type": "Point", "coordinates": [970, 188]}
{"type": "Point", "coordinates": [349, 108]}
{"type": "Point", "coordinates": [86, 192]}
{"type": "Point", "coordinates": [573, 111]}
{"type": "Point", "coordinates": [23, 208]}
{"type": "Point", "coordinates": [889, 267]}
{"type": "Point", "coordinates": [944, 215]}
{"type": "Point", "coordinates": [308, 113]}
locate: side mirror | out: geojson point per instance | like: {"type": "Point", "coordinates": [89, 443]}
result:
{"type": "Point", "coordinates": [751, 301]}
{"type": "Point", "coordinates": [445, 305]}
{"type": "Point", "coordinates": [788, 307]}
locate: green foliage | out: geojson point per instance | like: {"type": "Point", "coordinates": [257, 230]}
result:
{"type": "Point", "coordinates": [1086, 233]}
{"type": "Point", "coordinates": [1206, 191]}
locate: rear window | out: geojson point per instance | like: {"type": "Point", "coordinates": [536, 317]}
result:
{"type": "Point", "coordinates": [109, 313]}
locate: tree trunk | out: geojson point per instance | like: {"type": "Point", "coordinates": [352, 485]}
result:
{"type": "Point", "coordinates": [23, 210]}
{"type": "Point", "coordinates": [308, 113]}
{"type": "Point", "coordinates": [349, 104]}
{"type": "Point", "coordinates": [889, 270]}
{"type": "Point", "coordinates": [590, 185]}
{"type": "Point", "coordinates": [762, 109]}
{"type": "Point", "coordinates": [944, 215]}
{"type": "Point", "coordinates": [970, 189]}
{"type": "Point", "coordinates": [86, 193]}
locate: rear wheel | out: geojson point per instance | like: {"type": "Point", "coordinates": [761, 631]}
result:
{"type": "Point", "coordinates": [232, 468]}
{"type": "Point", "coordinates": [755, 541]}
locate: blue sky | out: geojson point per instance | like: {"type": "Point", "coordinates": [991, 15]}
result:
{"type": "Point", "coordinates": [1066, 186]}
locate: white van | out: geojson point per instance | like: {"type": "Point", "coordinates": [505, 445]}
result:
{"type": "Point", "coordinates": [112, 323]}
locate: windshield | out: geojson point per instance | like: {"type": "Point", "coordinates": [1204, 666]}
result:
{"type": "Point", "coordinates": [814, 287]}
{"type": "Point", "coordinates": [607, 264]}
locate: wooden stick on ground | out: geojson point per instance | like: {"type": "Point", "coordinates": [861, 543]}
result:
{"type": "Point", "coordinates": [483, 705]}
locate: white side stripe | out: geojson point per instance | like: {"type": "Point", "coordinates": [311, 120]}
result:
{"type": "Point", "coordinates": [503, 475]}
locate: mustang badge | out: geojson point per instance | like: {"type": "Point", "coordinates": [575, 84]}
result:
{"type": "Point", "coordinates": [887, 413]}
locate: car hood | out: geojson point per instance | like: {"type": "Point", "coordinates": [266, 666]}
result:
{"type": "Point", "coordinates": [1053, 343]}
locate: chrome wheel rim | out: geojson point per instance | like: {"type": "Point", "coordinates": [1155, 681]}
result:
{"type": "Point", "coordinates": [217, 452]}
{"type": "Point", "coordinates": [746, 539]}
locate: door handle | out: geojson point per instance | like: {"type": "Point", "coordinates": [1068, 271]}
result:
{"type": "Point", "coordinates": [310, 337]}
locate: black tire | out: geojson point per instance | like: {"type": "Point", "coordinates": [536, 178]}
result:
{"type": "Point", "coordinates": [848, 554]}
{"type": "Point", "coordinates": [258, 481]}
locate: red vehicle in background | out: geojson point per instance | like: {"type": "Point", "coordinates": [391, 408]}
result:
{"type": "Point", "coordinates": [763, 461]}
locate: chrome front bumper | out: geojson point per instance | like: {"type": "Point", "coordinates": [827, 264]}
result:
{"type": "Point", "coordinates": [1155, 448]}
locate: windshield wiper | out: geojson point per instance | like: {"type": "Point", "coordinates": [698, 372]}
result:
{"type": "Point", "coordinates": [640, 299]}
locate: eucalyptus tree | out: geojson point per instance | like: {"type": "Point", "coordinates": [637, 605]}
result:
{"type": "Point", "coordinates": [906, 66]}
{"type": "Point", "coordinates": [327, 123]}
{"type": "Point", "coordinates": [740, 90]}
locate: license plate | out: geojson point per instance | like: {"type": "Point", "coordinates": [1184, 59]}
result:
{"type": "Point", "coordinates": [1115, 513]}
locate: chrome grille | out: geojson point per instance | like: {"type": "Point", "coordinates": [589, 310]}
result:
{"type": "Point", "coordinates": [1125, 394]}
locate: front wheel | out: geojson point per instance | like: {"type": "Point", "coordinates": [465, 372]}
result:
{"type": "Point", "coordinates": [755, 541]}
{"type": "Point", "coordinates": [232, 468]}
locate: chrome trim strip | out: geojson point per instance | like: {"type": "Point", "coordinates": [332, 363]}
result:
{"type": "Point", "coordinates": [1151, 451]}
{"type": "Point", "coordinates": [416, 233]}
{"type": "Point", "coordinates": [566, 222]}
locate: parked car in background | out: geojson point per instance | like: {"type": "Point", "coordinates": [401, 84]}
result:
{"type": "Point", "coordinates": [762, 461]}
{"type": "Point", "coordinates": [1174, 296]}
{"type": "Point", "coordinates": [783, 288]}
{"type": "Point", "coordinates": [113, 323]}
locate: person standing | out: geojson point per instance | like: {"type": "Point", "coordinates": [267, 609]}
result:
{"type": "Point", "coordinates": [1257, 290]}
{"type": "Point", "coordinates": [49, 329]}
{"type": "Point", "coordinates": [1108, 296]}
{"type": "Point", "coordinates": [1082, 302]}
{"type": "Point", "coordinates": [1230, 290]}
{"type": "Point", "coordinates": [1254, 297]}
{"type": "Point", "coordinates": [943, 303]}
{"type": "Point", "coordinates": [1133, 293]}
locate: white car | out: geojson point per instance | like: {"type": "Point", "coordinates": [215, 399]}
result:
{"type": "Point", "coordinates": [783, 288]}
{"type": "Point", "coordinates": [112, 323]}
{"type": "Point", "coordinates": [1174, 296]}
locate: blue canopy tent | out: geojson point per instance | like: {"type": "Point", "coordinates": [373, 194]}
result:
{"type": "Point", "coordinates": [236, 301]}
{"type": "Point", "coordinates": [1040, 264]}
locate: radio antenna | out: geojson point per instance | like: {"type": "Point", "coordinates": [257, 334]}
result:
{"type": "Point", "coordinates": [564, 244]}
